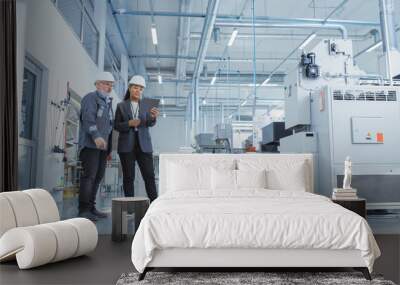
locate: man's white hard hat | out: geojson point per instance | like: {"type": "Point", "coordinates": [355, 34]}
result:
{"type": "Point", "coordinates": [105, 76]}
{"type": "Point", "coordinates": [138, 80]}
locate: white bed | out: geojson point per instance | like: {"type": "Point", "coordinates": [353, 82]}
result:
{"type": "Point", "coordinates": [203, 220]}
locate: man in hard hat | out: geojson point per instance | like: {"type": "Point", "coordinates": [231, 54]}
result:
{"type": "Point", "coordinates": [95, 137]}
{"type": "Point", "coordinates": [132, 120]}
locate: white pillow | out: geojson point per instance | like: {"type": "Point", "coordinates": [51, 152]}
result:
{"type": "Point", "coordinates": [223, 179]}
{"type": "Point", "coordinates": [251, 178]}
{"type": "Point", "coordinates": [183, 177]}
{"type": "Point", "coordinates": [293, 176]}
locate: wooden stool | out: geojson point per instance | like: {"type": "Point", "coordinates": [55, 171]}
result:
{"type": "Point", "coordinates": [123, 206]}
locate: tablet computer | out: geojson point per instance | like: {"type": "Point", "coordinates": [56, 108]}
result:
{"type": "Point", "coordinates": [149, 103]}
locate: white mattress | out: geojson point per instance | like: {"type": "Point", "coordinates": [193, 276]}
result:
{"type": "Point", "coordinates": [253, 218]}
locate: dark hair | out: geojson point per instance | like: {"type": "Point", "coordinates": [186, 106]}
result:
{"type": "Point", "coordinates": [127, 94]}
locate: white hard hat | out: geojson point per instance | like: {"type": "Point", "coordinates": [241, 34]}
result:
{"type": "Point", "coordinates": [105, 76]}
{"type": "Point", "coordinates": [138, 80]}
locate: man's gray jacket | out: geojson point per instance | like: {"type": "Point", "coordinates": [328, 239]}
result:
{"type": "Point", "coordinates": [96, 120]}
{"type": "Point", "coordinates": [126, 139]}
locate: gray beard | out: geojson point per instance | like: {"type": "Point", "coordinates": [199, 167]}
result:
{"type": "Point", "coordinates": [104, 93]}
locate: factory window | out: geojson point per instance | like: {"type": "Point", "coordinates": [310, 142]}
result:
{"type": "Point", "coordinates": [79, 15]}
{"type": "Point", "coordinates": [90, 38]}
{"type": "Point", "coordinates": [72, 12]}
{"type": "Point", "coordinates": [89, 6]}
{"type": "Point", "coordinates": [27, 104]}
{"type": "Point", "coordinates": [29, 124]}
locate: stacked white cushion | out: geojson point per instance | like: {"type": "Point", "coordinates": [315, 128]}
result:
{"type": "Point", "coordinates": [226, 179]}
{"type": "Point", "coordinates": [223, 179]}
{"type": "Point", "coordinates": [251, 178]}
{"type": "Point", "coordinates": [188, 177]}
{"type": "Point", "coordinates": [282, 173]}
{"type": "Point", "coordinates": [38, 244]}
{"type": "Point", "coordinates": [194, 175]}
{"type": "Point", "coordinates": [288, 177]}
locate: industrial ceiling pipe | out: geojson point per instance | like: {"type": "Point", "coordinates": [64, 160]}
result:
{"type": "Point", "coordinates": [183, 39]}
{"type": "Point", "coordinates": [327, 26]}
{"type": "Point", "coordinates": [206, 59]}
{"type": "Point", "coordinates": [121, 34]}
{"type": "Point", "coordinates": [354, 37]}
{"type": "Point", "coordinates": [209, 21]}
{"type": "Point", "coordinates": [305, 21]}
{"type": "Point", "coordinates": [386, 10]}
{"type": "Point", "coordinates": [240, 17]}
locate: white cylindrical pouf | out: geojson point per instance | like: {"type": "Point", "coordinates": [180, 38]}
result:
{"type": "Point", "coordinates": [87, 233]}
{"type": "Point", "coordinates": [23, 207]}
{"type": "Point", "coordinates": [7, 218]}
{"type": "Point", "coordinates": [46, 208]}
{"type": "Point", "coordinates": [35, 245]}
{"type": "Point", "coordinates": [67, 240]}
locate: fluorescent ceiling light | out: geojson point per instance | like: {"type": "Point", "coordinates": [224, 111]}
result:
{"type": "Point", "coordinates": [159, 79]}
{"type": "Point", "coordinates": [162, 102]}
{"type": "Point", "coordinates": [374, 46]}
{"type": "Point", "coordinates": [213, 80]}
{"type": "Point", "coordinates": [266, 81]}
{"type": "Point", "coordinates": [204, 101]}
{"type": "Point", "coordinates": [154, 35]}
{"type": "Point", "coordinates": [244, 103]}
{"type": "Point", "coordinates": [307, 40]}
{"type": "Point", "coordinates": [164, 115]}
{"type": "Point", "coordinates": [233, 37]}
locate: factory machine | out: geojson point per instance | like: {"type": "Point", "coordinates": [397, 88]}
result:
{"type": "Point", "coordinates": [334, 110]}
{"type": "Point", "coordinates": [271, 134]}
{"type": "Point", "coordinates": [236, 133]}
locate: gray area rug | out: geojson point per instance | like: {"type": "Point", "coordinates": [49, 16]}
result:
{"type": "Point", "coordinates": [269, 278]}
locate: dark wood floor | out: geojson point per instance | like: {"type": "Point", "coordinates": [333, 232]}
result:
{"type": "Point", "coordinates": [103, 266]}
{"type": "Point", "coordinates": [106, 264]}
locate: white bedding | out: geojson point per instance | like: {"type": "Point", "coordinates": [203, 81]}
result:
{"type": "Point", "coordinates": [251, 218]}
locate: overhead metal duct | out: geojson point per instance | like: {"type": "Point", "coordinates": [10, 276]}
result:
{"type": "Point", "coordinates": [201, 54]}
{"type": "Point", "coordinates": [206, 59]}
{"type": "Point", "coordinates": [267, 24]}
{"type": "Point", "coordinates": [240, 17]}
{"type": "Point", "coordinates": [183, 40]}
{"type": "Point", "coordinates": [388, 29]}
{"type": "Point", "coordinates": [389, 40]}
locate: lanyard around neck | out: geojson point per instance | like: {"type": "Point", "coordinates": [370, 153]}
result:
{"type": "Point", "coordinates": [134, 111]}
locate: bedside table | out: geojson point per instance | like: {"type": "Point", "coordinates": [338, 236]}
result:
{"type": "Point", "coordinates": [123, 206]}
{"type": "Point", "coordinates": [358, 206]}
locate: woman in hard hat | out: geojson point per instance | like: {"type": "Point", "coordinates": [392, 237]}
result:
{"type": "Point", "coordinates": [132, 121]}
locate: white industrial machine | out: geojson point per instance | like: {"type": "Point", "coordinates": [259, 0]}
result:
{"type": "Point", "coordinates": [236, 133]}
{"type": "Point", "coordinates": [336, 110]}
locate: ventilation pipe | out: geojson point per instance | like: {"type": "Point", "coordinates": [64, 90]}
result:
{"type": "Point", "coordinates": [386, 11]}
{"type": "Point", "coordinates": [198, 67]}
{"type": "Point", "coordinates": [242, 24]}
